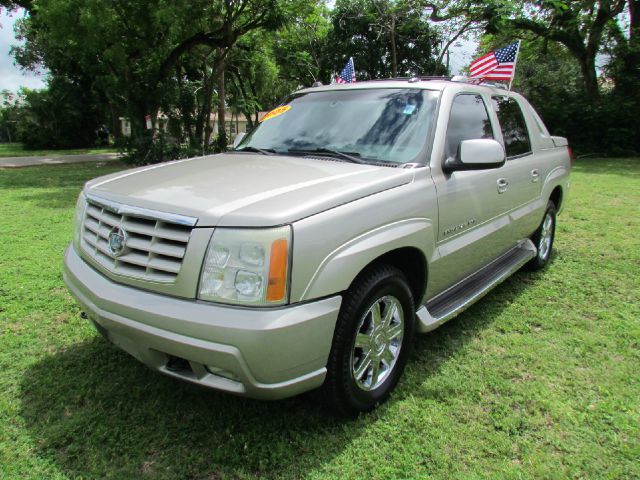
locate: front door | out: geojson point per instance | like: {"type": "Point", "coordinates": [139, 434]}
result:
{"type": "Point", "coordinates": [473, 225]}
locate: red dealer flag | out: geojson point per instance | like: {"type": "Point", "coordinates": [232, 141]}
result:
{"type": "Point", "coordinates": [497, 65]}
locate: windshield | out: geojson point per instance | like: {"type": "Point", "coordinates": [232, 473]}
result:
{"type": "Point", "coordinates": [388, 125]}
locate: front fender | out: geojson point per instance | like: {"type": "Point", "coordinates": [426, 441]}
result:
{"type": "Point", "coordinates": [332, 247]}
{"type": "Point", "coordinates": [338, 270]}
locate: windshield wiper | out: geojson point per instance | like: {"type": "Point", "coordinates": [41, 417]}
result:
{"type": "Point", "coordinates": [348, 156]}
{"type": "Point", "coordinates": [263, 151]}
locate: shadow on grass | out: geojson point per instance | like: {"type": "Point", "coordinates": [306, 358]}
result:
{"type": "Point", "coordinates": [60, 198]}
{"type": "Point", "coordinates": [95, 412]}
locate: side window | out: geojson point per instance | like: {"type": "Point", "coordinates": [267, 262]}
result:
{"type": "Point", "coordinates": [468, 120]}
{"type": "Point", "coordinates": [513, 125]}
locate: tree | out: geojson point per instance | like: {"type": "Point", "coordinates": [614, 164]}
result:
{"type": "Point", "coordinates": [385, 37]}
{"type": "Point", "coordinates": [62, 115]}
{"type": "Point", "coordinates": [624, 52]}
{"type": "Point", "coordinates": [11, 112]}
{"type": "Point", "coordinates": [130, 48]}
{"type": "Point", "coordinates": [254, 78]}
{"type": "Point", "coordinates": [300, 48]}
{"type": "Point", "coordinates": [578, 25]}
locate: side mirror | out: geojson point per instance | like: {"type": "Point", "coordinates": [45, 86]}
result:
{"type": "Point", "coordinates": [238, 139]}
{"type": "Point", "coordinates": [476, 154]}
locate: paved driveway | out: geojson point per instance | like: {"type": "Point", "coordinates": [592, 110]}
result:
{"type": "Point", "coordinates": [53, 160]}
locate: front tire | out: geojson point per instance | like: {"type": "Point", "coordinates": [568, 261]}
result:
{"type": "Point", "coordinates": [371, 342]}
{"type": "Point", "coordinates": [543, 239]}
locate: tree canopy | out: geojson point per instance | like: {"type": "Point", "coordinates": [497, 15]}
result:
{"type": "Point", "coordinates": [191, 61]}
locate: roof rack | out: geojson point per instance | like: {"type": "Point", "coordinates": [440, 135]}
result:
{"type": "Point", "coordinates": [411, 79]}
{"type": "Point", "coordinates": [478, 81]}
{"type": "Point", "coordinates": [450, 78]}
{"type": "Point", "coordinates": [495, 84]}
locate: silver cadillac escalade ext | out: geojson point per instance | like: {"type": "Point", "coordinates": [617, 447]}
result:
{"type": "Point", "coordinates": [350, 219]}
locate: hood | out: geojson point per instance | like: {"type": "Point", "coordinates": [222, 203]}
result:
{"type": "Point", "coordinates": [247, 190]}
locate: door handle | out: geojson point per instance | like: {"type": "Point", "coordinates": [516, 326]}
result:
{"type": "Point", "coordinates": [503, 185]}
{"type": "Point", "coordinates": [535, 175]}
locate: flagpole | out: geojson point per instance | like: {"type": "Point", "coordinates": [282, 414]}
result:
{"type": "Point", "coordinates": [515, 65]}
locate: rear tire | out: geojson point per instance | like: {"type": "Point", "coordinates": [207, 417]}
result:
{"type": "Point", "coordinates": [371, 342]}
{"type": "Point", "coordinates": [543, 239]}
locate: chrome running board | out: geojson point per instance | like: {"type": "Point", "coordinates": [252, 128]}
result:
{"type": "Point", "coordinates": [465, 293]}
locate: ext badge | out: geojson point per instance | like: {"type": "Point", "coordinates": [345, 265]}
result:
{"type": "Point", "coordinates": [117, 241]}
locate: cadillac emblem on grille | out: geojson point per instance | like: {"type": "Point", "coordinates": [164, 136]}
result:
{"type": "Point", "coordinates": [117, 241]}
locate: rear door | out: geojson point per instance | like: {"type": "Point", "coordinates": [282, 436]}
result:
{"type": "Point", "coordinates": [522, 173]}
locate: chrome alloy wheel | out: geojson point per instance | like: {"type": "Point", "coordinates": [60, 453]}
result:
{"type": "Point", "coordinates": [378, 342]}
{"type": "Point", "coordinates": [546, 236]}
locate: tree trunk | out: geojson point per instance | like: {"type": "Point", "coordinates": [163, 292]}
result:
{"type": "Point", "coordinates": [141, 136]}
{"type": "Point", "coordinates": [184, 115]}
{"type": "Point", "coordinates": [222, 133]}
{"type": "Point", "coordinates": [116, 126]}
{"type": "Point", "coordinates": [588, 69]}
{"type": "Point", "coordinates": [208, 98]}
{"type": "Point", "coordinates": [394, 56]}
{"type": "Point", "coordinates": [199, 126]}
{"type": "Point", "coordinates": [628, 73]}
{"type": "Point", "coordinates": [236, 80]}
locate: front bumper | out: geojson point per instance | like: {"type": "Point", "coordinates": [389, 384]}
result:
{"type": "Point", "coordinates": [262, 353]}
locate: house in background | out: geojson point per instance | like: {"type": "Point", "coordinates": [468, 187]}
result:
{"type": "Point", "coordinates": [234, 123]}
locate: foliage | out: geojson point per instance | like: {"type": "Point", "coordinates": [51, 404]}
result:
{"type": "Point", "coordinates": [578, 25]}
{"type": "Point", "coordinates": [549, 77]}
{"type": "Point", "coordinates": [11, 112]}
{"type": "Point", "coordinates": [300, 49]}
{"type": "Point", "coordinates": [385, 37]}
{"type": "Point", "coordinates": [162, 148]}
{"type": "Point", "coordinates": [189, 61]}
{"type": "Point", "coordinates": [131, 47]}
{"type": "Point", "coordinates": [254, 76]}
{"type": "Point", "coordinates": [537, 380]}
{"type": "Point", "coordinates": [60, 116]}
{"type": "Point", "coordinates": [623, 49]}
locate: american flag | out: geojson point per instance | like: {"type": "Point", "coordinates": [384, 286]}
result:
{"type": "Point", "coordinates": [348, 73]}
{"type": "Point", "coordinates": [497, 65]}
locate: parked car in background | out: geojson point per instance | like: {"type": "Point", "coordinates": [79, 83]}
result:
{"type": "Point", "coordinates": [352, 218]}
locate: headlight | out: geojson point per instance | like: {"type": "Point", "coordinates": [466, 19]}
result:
{"type": "Point", "coordinates": [81, 205]}
{"type": "Point", "coordinates": [247, 266]}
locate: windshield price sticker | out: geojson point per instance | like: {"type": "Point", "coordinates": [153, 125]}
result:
{"type": "Point", "coordinates": [276, 112]}
{"type": "Point", "coordinates": [409, 109]}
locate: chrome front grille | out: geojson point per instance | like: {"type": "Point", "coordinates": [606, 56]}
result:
{"type": "Point", "coordinates": [154, 248]}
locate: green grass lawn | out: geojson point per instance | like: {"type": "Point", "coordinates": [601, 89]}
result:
{"type": "Point", "coordinates": [540, 379]}
{"type": "Point", "coordinates": [18, 150]}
